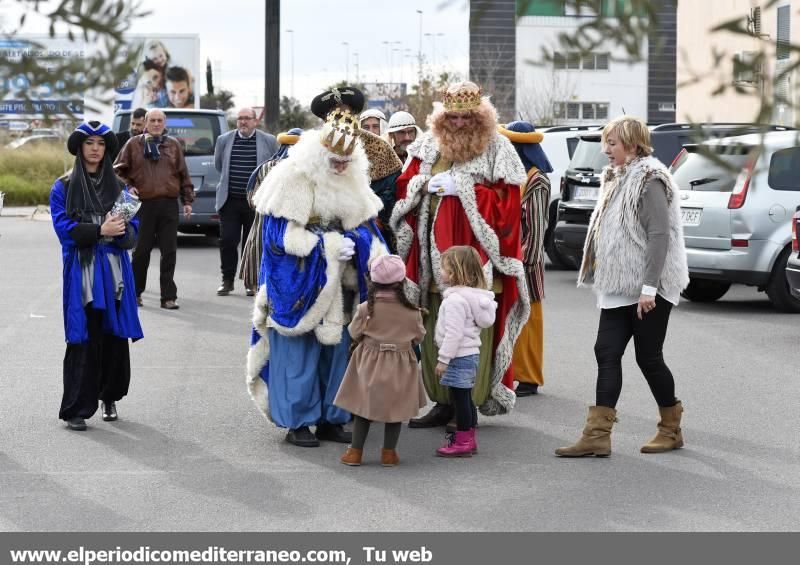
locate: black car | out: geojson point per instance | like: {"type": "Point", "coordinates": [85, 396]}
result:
{"type": "Point", "coordinates": [581, 181]}
{"type": "Point", "coordinates": [793, 263]}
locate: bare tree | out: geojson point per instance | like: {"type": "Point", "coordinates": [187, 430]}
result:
{"type": "Point", "coordinates": [538, 101]}
{"type": "Point", "coordinates": [492, 67]}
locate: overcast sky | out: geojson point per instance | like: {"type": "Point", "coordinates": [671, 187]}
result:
{"type": "Point", "coordinates": [232, 37]}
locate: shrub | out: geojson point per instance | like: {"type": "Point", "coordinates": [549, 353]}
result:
{"type": "Point", "coordinates": [28, 174]}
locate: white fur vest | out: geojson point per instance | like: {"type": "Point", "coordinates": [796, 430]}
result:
{"type": "Point", "coordinates": [614, 254]}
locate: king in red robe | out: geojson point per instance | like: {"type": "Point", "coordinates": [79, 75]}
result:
{"type": "Point", "coordinates": [461, 187]}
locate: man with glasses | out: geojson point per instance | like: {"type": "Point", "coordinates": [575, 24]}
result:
{"type": "Point", "coordinates": [236, 156]}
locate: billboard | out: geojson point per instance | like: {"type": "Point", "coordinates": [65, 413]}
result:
{"type": "Point", "coordinates": [387, 97]}
{"type": "Point", "coordinates": [165, 76]}
{"type": "Point", "coordinates": [23, 100]}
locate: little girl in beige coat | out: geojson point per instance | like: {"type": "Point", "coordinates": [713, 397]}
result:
{"type": "Point", "coordinates": [383, 382]}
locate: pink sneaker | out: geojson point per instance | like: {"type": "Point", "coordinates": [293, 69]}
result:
{"type": "Point", "coordinates": [459, 446]}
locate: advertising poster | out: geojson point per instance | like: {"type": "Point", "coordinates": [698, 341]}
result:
{"type": "Point", "coordinates": [165, 75]}
{"type": "Point", "coordinates": [387, 97]}
{"type": "Point", "coordinates": [26, 101]}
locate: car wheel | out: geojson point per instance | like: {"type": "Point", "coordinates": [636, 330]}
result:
{"type": "Point", "coordinates": [705, 290]}
{"type": "Point", "coordinates": [555, 257]}
{"type": "Point", "coordinates": [778, 290]}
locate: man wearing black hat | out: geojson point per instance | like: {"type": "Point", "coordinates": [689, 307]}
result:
{"type": "Point", "coordinates": [384, 164]}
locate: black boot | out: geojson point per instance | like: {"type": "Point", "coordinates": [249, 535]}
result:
{"type": "Point", "coordinates": [109, 410]}
{"type": "Point", "coordinates": [77, 423]}
{"type": "Point", "coordinates": [333, 432]}
{"type": "Point", "coordinates": [439, 415]}
{"type": "Point", "coordinates": [302, 437]}
{"type": "Point", "coordinates": [526, 389]}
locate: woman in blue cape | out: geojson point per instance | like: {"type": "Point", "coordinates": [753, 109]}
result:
{"type": "Point", "coordinates": [100, 312]}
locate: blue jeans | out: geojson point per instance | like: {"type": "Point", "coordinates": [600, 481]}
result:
{"type": "Point", "coordinates": [461, 372]}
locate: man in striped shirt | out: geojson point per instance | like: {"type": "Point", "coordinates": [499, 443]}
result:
{"type": "Point", "coordinates": [236, 156]}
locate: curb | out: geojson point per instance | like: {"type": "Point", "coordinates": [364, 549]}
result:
{"type": "Point", "coordinates": [41, 212]}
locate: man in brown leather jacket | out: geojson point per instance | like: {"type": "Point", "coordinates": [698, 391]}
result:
{"type": "Point", "coordinates": [153, 166]}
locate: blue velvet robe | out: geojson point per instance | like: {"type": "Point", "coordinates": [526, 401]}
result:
{"type": "Point", "coordinates": [293, 283]}
{"type": "Point", "coordinates": [122, 321]}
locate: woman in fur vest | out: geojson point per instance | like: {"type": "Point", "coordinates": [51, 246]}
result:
{"type": "Point", "coordinates": [634, 259]}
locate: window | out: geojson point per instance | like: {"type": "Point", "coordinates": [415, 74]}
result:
{"type": "Point", "coordinates": [591, 111]}
{"type": "Point", "coordinates": [783, 169]}
{"type": "Point", "coordinates": [573, 111]}
{"type": "Point", "coordinates": [582, 7]}
{"type": "Point", "coordinates": [587, 62]}
{"type": "Point", "coordinates": [746, 67]}
{"type": "Point", "coordinates": [573, 61]}
{"type": "Point", "coordinates": [595, 111]}
{"type": "Point", "coordinates": [196, 132]}
{"type": "Point", "coordinates": [783, 33]}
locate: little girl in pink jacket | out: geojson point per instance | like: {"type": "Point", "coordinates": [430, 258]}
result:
{"type": "Point", "coordinates": [467, 307]}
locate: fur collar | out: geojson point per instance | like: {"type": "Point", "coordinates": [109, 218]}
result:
{"type": "Point", "coordinates": [303, 187]}
{"type": "Point", "coordinates": [499, 162]}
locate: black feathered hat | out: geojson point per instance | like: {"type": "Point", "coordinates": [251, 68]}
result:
{"type": "Point", "coordinates": [348, 96]}
{"type": "Point", "coordinates": [88, 129]}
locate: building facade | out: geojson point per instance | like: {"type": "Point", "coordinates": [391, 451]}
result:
{"type": "Point", "coordinates": [737, 76]}
{"type": "Point", "coordinates": [552, 84]}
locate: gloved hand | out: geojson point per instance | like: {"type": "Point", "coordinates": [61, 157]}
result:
{"type": "Point", "coordinates": [442, 184]}
{"type": "Point", "coordinates": [347, 250]}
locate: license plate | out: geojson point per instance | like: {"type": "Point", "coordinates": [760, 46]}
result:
{"type": "Point", "coordinates": [585, 193]}
{"type": "Point", "coordinates": [691, 216]}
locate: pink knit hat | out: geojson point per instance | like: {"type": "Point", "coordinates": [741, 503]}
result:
{"type": "Point", "coordinates": [387, 269]}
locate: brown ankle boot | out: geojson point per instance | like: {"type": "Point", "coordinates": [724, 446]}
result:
{"type": "Point", "coordinates": [351, 457]}
{"type": "Point", "coordinates": [669, 434]}
{"type": "Point", "coordinates": [389, 457]}
{"type": "Point", "coordinates": [596, 438]}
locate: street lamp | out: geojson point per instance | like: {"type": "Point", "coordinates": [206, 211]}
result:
{"type": "Point", "coordinates": [419, 51]}
{"type": "Point", "coordinates": [433, 37]}
{"type": "Point", "coordinates": [346, 61]}
{"type": "Point", "coordinates": [291, 45]}
{"type": "Point", "coordinates": [358, 78]}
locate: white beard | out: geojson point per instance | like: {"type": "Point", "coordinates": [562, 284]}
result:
{"type": "Point", "coordinates": [304, 185]}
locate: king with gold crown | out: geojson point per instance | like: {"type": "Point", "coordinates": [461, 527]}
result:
{"type": "Point", "coordinates": [319, 234]}
{"type": "Point", "coordinates": [460, 186]}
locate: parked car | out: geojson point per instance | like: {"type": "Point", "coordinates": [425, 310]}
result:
{"type": "Point", "coordinates": [558, 144]}
{"type": "Point", "coordinates": [793, 263]}
{"type": "Point", "coordinates": [36, 141]}
{"type": "Point", "coordinates": [737, 197]}
{"type": "Point", "coordinates": [581, 182]}
{"type": "Point", "coordinates": [44, 131]}
{"type": "Point", "coordinates": [197, 131]}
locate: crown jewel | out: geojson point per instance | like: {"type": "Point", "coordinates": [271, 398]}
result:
{"type": "Point", "coordinates": [462, 96]}
{"type": "Point", "coordinates": [340, 131]}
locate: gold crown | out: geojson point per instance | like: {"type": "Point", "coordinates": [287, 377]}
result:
{"type": "Point", "coordinates": [340, 131]}
{"type": "Point", "coordinates": [462, 96]}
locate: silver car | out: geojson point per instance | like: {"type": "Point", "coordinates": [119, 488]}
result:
{"type": "Point", "coordinates": [738, 195]}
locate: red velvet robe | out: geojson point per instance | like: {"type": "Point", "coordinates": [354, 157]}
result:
{"type": "Point", "coordinates": [499, 205]}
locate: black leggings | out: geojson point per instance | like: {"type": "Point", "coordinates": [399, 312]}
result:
{"type": "Point", "coordinates": [466, 413]}
{"type": "Point", "coordinates": [391, 433]}
{"type": "Point", "coordinates": [617, 326]}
